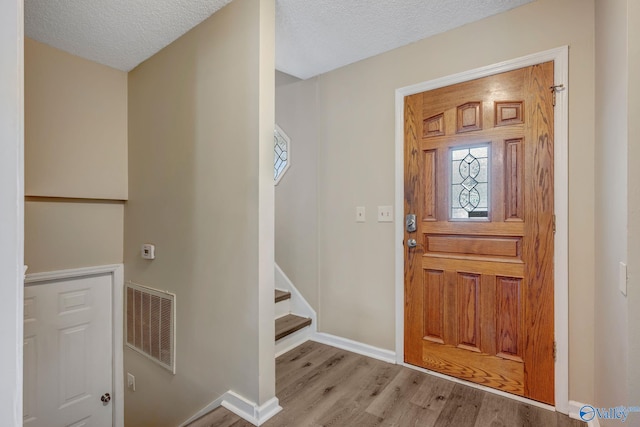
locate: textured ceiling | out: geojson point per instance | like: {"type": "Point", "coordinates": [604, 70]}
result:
{"type": "Point", "coordinates": [117, 33]}
{"type": "Point", "coordinates": [312, 36]}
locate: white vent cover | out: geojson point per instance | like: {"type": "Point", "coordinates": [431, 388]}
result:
{"type": "Point", "coordinates": [150, 325]}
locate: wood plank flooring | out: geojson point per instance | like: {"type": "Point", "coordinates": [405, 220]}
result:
{"type": "Point", "coordinates": [319, 385]}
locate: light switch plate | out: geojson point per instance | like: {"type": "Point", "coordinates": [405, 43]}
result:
{"type": "Point", "coordinates": [385, 213]}
{"type": "Point", "coordinates": [131, 382]}
{"type": "Point", "coordinates": [360, 214]}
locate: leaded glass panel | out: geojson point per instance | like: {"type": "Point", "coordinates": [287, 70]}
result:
{"type": "Point", "coordinates": [470, 182]}
{"type": "Point", "coordinates": [281, 153]}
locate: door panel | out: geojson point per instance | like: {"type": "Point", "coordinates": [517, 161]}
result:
{"type": "Point", "coordinates": [68, 353]}
{"type": "Point", "coordinates": [479, 178]}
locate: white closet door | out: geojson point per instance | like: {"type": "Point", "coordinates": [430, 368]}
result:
{"type": "Point", "coordinates": [68, 353]}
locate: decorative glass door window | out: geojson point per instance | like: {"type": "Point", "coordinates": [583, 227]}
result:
{"type": "Point", "coordinates": [470, 182]}
{"type": "Point", "coordinates": [281, 153]}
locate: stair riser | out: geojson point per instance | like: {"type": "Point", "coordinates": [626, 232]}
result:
{"type": "Point", "coordinates": [282, 308]}
{"type": "Point", "coordinates": [292, 341]}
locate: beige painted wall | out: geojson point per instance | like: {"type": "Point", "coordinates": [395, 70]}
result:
{"type": "Point", "coordinates": [611, 130]}
{"type": "Point", "coordinates": [75, 126]}
{"type": "Point", "coordinates": [356, 168]}
{"type": "Point", "coordinates": [200, 158]}
{"type": "Point", "coordinates": [61, 235]}
{"type": "Point", "coordinates": [75, 147]}
{"type": "Point", "coordinates": [296, 193]}
{"type": "Point", "coordinates": [282, 79]}
{"type": "Point", "coordinates": [633, 290]}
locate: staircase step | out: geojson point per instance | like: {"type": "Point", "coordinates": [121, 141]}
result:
{"type": "Point", "coordinates": [282, 295]}
{"type": "Point", "coordinates": [286, 325]}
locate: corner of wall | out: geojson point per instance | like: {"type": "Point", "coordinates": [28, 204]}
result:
{"type": "Point", "coordinates": [612, 189]}
{"type": "Point", "coordinates": [200, 159]}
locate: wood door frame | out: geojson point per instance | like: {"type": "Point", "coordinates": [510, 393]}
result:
{"type": "Point", "coordinates": [117, 321]}
{"type": "Point", "coordinates": [560, 57]}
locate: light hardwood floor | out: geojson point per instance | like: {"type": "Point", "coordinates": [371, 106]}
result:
{"type": "Point", "coordinates": [319, 385]}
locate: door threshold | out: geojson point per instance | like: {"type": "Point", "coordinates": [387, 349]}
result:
{"type": "Point", "coordinates": [481, 387]}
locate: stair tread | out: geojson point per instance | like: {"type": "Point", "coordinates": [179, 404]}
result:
{"type": "Point", "coordinates": [286, 325]}
{"type": "Point", "coordinates": [282, 295]}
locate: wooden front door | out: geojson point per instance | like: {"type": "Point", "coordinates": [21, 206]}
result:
{"type": "Point", "coordinates": [479, 274]}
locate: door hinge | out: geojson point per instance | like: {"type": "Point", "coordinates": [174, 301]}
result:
{"type": "Point", "coordinates": [555, 351]}
{"type": "Point", "coordinates": [554, 224]}
{"type": "Point", "coordinates": [555, 89]}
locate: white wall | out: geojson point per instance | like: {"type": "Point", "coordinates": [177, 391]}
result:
{"type": "Point", "coordinates": [11, 210]}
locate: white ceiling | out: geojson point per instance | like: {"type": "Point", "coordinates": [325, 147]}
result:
{"type": "Point", "coordinates": [312, 36]}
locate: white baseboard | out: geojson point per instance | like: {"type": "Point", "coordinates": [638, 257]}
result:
{"type": "Point", "coordinates": [250, 411]}
{"type": "Point", "coordinates": [245, 409]}
{"type": "Point", "coordinates": [355, 347]}
{"type": "Point", "coordinates": [204, 411]}
{"type": "Point", "coordinates": [574, 412]}
{"type": "Point", "coordinates": [267, 410]}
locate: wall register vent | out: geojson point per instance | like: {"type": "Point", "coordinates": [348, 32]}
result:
{"type": "Point", "coordinates": [150, 324]}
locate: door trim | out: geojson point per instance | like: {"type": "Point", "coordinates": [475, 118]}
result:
{"type": "Point", "coordinates": [117, 285]}
{"type": "Point", "coordinates": [560, 57]}
{"type": "Point", "coordinates": [12, 210]}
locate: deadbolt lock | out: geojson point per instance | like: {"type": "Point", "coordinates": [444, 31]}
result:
{"type": "Point", "coordinates": [410, 223]}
